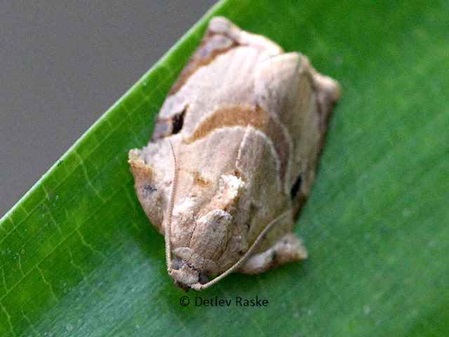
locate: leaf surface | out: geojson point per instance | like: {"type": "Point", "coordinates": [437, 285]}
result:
{"type": "Point", "coordinates": [78, 256]}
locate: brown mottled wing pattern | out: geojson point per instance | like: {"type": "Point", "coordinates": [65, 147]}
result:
{"type": "Point", "coordinates": [247, 123]}
{"type": "Point", "coordinates": [213, 44]}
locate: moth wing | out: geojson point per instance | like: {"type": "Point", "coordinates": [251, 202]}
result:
{"type": "Point", "coordinates": [287, 249]}
{"type": "Point", "coordinates": [275, 84]}
{"type": "Point", "coordinates": [152, 180]}
{"type": "Point", "coordinates": [302, 99]}
{"type": "Point", "coordinates": [221, 36]}
{"type": "Point", "coordinates": [257, 163]}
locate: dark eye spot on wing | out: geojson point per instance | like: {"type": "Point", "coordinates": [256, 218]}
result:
{"type": "Point", "coordinates": [169, 126]}
{"type": "Point", "coordinates": [295, 188]}
{"type": "Point", "coordinates": [178, 122]}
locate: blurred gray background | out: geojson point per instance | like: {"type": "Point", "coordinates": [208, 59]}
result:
{"type": "Point", "coordinates": [63, 63]}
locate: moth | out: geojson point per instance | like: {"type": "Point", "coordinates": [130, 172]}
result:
{"type": "Point", "coordinates": [233, 156]}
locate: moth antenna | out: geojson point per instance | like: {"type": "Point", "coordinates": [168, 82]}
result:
{"type": "Point", "coordinates": [242, 144]}
{"type": "Point", "coordinates": [236, 265]}
{"type": "Point", "coordinates": [169, 214]}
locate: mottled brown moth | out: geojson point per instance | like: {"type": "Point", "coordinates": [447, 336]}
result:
{"type": "Point", "coordinates": [233, 156]}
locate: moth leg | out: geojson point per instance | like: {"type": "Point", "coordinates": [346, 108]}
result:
{"type": "Point", "coordinates": [287, 249]}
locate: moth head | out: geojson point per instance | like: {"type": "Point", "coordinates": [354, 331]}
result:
{"type": "Point", "coordinates": [185, 275]}
{"type": "Point", "coordinates": [192, 265]}
{"type": "Point", "coordinates": [191, 256]}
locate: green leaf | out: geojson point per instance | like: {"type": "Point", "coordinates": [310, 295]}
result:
{"type": "Point", "coordinates": [79, 258]}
